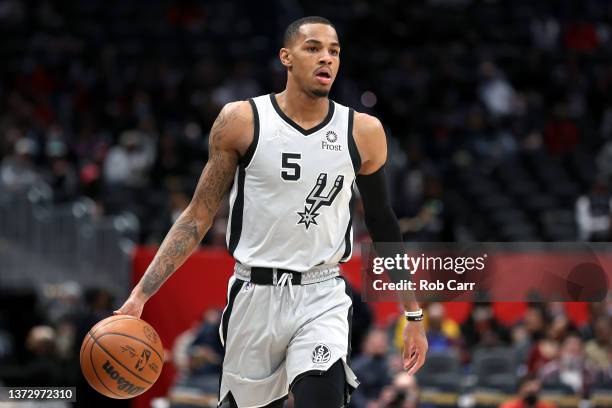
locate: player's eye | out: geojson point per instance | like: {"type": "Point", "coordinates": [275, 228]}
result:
{"type": "Point", "coordinates": [312, 49]}
{"type": "Point", "coordinates": [335, 53]}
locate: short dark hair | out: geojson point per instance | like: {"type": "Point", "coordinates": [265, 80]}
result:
{"type": "Point", "coordinates": [294, 28]}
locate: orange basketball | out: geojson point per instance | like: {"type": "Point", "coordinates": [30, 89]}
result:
{"type": "Point", "coordinates": [121, 356]}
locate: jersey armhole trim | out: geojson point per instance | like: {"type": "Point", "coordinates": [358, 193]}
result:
{"type": "Point", "coordinates": [250, 152]}
{"type": "Point", "coordinates": [352, 146]}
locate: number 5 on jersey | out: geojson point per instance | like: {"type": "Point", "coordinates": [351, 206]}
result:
{"type": "Point", "coordinates": [291, 170]}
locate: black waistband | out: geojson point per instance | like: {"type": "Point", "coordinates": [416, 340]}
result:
{"type": "Point", "coordinates": [265, 276]}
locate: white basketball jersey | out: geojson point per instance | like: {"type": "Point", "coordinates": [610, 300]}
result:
{"type": "Point", "coordinates": [290, 205]}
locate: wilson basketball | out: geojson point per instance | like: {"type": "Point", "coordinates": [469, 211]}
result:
{"type": "Point", "coordinates": [121, 356]}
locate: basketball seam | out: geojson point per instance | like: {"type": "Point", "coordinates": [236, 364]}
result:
{"type": "Point", "coordinates": [96, 372]}
{"type": "Point", "coordinates": [137, 339]}
{"type": "Point", "coordinates": [85, 342]}
{"type": "Point", "coordinates": [119, 362]}
{"type": "Point", "coordinates": [112, 321]}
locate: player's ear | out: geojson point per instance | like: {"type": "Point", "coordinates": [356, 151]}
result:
{"type": "Point", "coordinates": [285, 57]}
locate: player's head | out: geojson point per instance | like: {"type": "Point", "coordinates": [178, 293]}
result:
{"type": "Point", "coordinates": [311, 53]}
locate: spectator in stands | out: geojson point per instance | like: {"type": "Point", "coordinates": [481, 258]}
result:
{"type": "Point", "coordinates": [535, 321]}
{"type": "Point", "coordinates": [441, 333]}
{"type": "Point", "coordinates": [60, 173]}
{"type": "Point", "coordinates": [528, 395]}
{"type": "Point", "coordinates": [569, 367]}
{"type": "Point", "coordinates": [581, 35]}
{"type": "Point", "coordinates": [603, 376]}
{"type": "Point", "coordinates": [18, 171]}
{"type": "Point", "coordinates": [198, 354]}
{"type": "Point", "coordinates": [560, 326]}
{"type": "Point", "coordinates": [482, 329]}
{"type": "Point", "coordinates": [593, 212]}
{"type": "Point", "coordinates": [128, 164]}
{"type": "Point", "coordinates": [429, 223]}
{"type": "Point", "coordinates": [239, 85]}
{"type": "Point", "coordinates": [597, 349]}
{"type": "Point", "coordinates": [545, 32]}
{"type": "Point", "coordinates": [490, 143]}
{"type": "Point", "coordinates": [410, 181]}
{"type": "Point", "coordinates": [530, 331]}
{"type": "Point", "coordinates": [496, 93]}
{"type": "Point", "coordinates": [604, 156]}
{"type": "Point", "coordinates": [542, 352]}
{"type": "Point", "coordinates": [204, 356]}
{"type": "Point", "coordinates": [372, 368]}
{"type": "Point", "coordinates": [521, 345]}
{"type": "Point", "coordinates": [206, 353]}
{"type": "Point", "coordinates": [41, 365]}
{"type": "Point", "coordinates": [170, 159]}
{"type": "Point", "coordinates": [561, 133]}
{"type": "Point", "coordinates": [402, 393]}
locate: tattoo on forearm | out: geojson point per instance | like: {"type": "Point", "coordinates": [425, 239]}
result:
{"type": "Point", "coordinates": [155, 276]}
{"type": "Point", "coordinates": [187, 232]}
{"type": "Point", "coordinates": [181, 240]}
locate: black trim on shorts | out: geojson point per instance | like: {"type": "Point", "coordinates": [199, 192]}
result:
{"type": "Point", "coordinates": [234, 290]}
{"type": "Point", "coordinates": [248, 155]}
{"type": "Point", "coordinates": [237, 211]}
{"type": "Point", "coordinates": [352, 146]}
{"type": "Point", "coordinates": [305, 132]}
{"type": "Point", "coordinates": [348, 242]}
{"type": "Point", "coordinates": [230, 305]}
{"type": "Point", "coordinates": [349, 318]}
{"type": "Point", "coordinates": [348, 389]}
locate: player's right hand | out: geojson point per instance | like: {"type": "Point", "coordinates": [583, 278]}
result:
{"type": "Point", "coordinates": [415, 346]}
{"type": "Point", "coordinates": [132, 306]}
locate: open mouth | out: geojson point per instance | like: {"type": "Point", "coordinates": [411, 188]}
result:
{"type": "Point", "coordinates": [324, 77]}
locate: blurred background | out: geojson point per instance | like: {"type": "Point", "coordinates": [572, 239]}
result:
{"type": "Point", "coordinates": [499, 120]}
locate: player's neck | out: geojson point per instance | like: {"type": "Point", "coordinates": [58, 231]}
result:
{"type": "Point", "coordinates": [302, 108]}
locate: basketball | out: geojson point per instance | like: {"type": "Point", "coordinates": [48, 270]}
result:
{"type": "Point", "coordinates": [121, 356]}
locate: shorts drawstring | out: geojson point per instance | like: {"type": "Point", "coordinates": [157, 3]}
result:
{"type": "Point", "coordinates": [286, 279]}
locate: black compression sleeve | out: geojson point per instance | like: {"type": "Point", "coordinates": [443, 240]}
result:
{"type": "Point", "coordinates": [382, 224]}
{"type": "Point", "coordinates": [379, 216]}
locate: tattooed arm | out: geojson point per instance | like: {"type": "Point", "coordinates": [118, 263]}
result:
{"type": "Point", "coordinates": [230, 136]}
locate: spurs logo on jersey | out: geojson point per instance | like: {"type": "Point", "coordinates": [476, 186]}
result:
{"type": "Point", "coordinates": [316, 200]}
{"type": "Point", "coordinates": [290, 205]}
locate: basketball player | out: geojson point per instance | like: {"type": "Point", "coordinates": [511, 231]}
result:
{"type": "Point", "coordinates": [291, 160]}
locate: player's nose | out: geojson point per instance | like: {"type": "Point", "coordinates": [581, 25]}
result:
{"type": "Point", "coordinates": [326, 58]}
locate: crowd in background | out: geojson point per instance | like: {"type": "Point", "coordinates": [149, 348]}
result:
{"type": "Point", "coordinates": [115, 103]}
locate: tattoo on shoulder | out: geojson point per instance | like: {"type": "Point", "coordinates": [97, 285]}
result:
{"type": "Point", "coordinates": [219, 127]}
{"type": "Point", "coordinates": [219, 172]}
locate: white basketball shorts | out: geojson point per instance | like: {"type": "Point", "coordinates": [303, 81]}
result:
{"type": "Point", "coordinates": [273, 335]}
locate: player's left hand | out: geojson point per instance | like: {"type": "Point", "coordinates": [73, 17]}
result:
{"type": "Point", "coordinates": [415, 346]}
